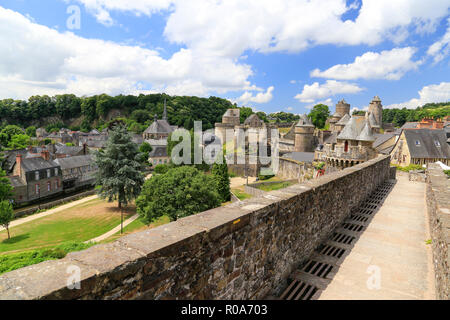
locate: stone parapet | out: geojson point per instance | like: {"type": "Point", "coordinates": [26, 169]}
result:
{"type": "Point", "coordinates": [438, 203]}
{"type": "Point", "coordinates": [244, 250]}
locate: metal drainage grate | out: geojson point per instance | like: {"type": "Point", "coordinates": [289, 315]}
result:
{"type": "Point", "coordinates": [299, 290]}
{"type": "Point", "coordinates": [342, 238]}
{"type": "Point", "coordinates": [332, 251]}
{"type": "Point", "coordinates": [357, 217]}
{"type": "Point", "coordinates": [352, 227]}
{"type": "Point", "coordinates": [318, 269]}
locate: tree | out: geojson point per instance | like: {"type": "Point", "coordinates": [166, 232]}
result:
{"type": "Point", "coordinates": [244, 113]}
{"type": "Point", "coordinates": [180, 192]}
{"type": "Point", "coordinates": [319, 115]}
{"type": "Point", "coordinates": [145, 148]}
{"type": "Point", "coordinates": [220, 173]}
{"type": "Point", "coordinates": [5, 185]}
{"type": "Point", "coordinates": [19, 141]}
{"type": "Point", "coordinates": [6, 215]}
{"type": "Point", "coordinates": [119, 176]}
{"type": "Point", "coordinates": [31, 131]}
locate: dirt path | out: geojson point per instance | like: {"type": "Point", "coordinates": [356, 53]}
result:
{"type": "Point", "coordinates": [114, 231]}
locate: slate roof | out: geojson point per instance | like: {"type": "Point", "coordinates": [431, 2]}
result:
{"type": "Point", "coordinates": [409, 125]}
{"type": "Point", "coordinates": [344, 120]}
{"type": "Point", "coordinates": [304, 121]}
{"type": "Point", "coordinates": [331, 139]}
{"type": "Point", "coordinates": [300, 156]}
{"type": "Point", "coordinates": [75, 162]}
{"type": "Point", "coordinates": [33, 164]}
{"type": "Point", "coordinates": [10, 157]}
{"type": "Point", "coordinates": [366, 133]}
{"type": "Point", "coordinates": [372, 120]}
{"type": "Point", "coordinates": [350, 130]}
{"type": "Point", "coordinates": [251, 118]}
{"type": "Point", "coordinates": [427, 147]}
{"type": "Point", "coordinates": [158, 152]}
{"type": "Point", "coordinates": [63, 149]}
{"type": "Point", "coordinates": [159, 126]}
{"type": "Point", "coordinates": [382, 138]}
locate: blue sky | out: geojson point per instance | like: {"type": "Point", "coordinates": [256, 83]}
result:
{"type": "Point", "coordinates": [272, 56]}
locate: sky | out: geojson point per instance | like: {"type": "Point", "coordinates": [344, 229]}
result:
{"type": "Point", "coordinates": [284, 55]}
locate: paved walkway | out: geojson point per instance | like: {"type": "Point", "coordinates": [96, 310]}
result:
{"type": "Point", "coordinates": [393, 247]}
{"type": "Point", "coordinates": [49, 212]}
{"type": "Point", "coordinates": [114, 231]}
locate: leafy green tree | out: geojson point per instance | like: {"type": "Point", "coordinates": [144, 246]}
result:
{"type": "Point", "coordinates": [220, 174]}
{"type": "Point", "coordinates": [5, 185]}
{"type": "Point", "coordinates": [319, 115]}
{"type": "Point", "coordinates": [6, 215]}
{"type": "Point", "coordinates": [180, 192]}
{"type": "Point", "coordinates": [31, 131]}
{"type": "Point", "coordinates": [11, 130]}
{"type": "Point", "coordinates": [19, 141]}
{"type": "Point", "coordinates": [244, 113]}
{"type": "Point", "coordinates": [145, 148]}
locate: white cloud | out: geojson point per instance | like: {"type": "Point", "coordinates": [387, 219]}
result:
{"type": "Point", "coordinates": [390, 65]}
{"type": "Point", "coordinates": [40, 60]}
{"type": "Point", "coordinates": [233, 26]}
{"type": "Point", "coordinates": [441, 48]}
{"type": "Point", "coordinates": [316, 91]}
{"type": "Point", "coordinates": [101, 8]}
{"type": "Point", "coordinates": [261, 97]}
{"type": "Point", "coordinates": [431, 93]}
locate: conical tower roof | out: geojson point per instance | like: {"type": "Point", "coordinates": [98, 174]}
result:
{"type": "Point", "coordinates": [372, 120]}
{"type": "Point", "coordinates": [304, 121]}
{"type": "Point", "coordinates": [350, 130]}
{"type": "Point", "coordinates": [164, 117]}
{"type": "Point", "coordinates": [366, 133]}
{"type": "Point", "coordinates": [344, 120]}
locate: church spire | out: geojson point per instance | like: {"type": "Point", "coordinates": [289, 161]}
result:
{"type": "Point", "coordinates": [164, 117]}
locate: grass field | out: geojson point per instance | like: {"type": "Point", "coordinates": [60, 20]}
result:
{"type": "Point", "coordinates": [275, 186]}
{"type": "Point", "coordinates": [136, 226]}
{"type": "Point", "coordinates": [80, 223]}
{"type": "Point", "coordinates": [240, 193]}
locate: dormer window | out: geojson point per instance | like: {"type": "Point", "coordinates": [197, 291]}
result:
{"type": "Point", "coordinates": [437, 144]}
{"type": "Point", "coordinates": [417, 143]}
{"type": "Point", "coordinates": [48, 173]}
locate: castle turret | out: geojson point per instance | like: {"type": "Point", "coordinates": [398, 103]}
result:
{"type": "Point", "coordinates": [376, 108]}
{"type": "Point", "coordinates": [343, 108]}
{"type": "Point", "coordinates": [304, 135]}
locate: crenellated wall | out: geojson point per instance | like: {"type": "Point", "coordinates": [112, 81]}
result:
{"type": "Point", "coordinates": [244, 250]}
{"type": "Point", "coordinates": [438, 203]}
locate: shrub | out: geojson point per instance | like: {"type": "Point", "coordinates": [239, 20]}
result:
{"type": "Point", "coordinates": [409, 167]}
{"type": "Point", "coordinates": [161, 168]}
{"type": "Point", "coordinates": [447, 172]}
{"type": "Point", "coordinates": [13, 261]}
{"type": "Point", "coordinates": [265, 177]}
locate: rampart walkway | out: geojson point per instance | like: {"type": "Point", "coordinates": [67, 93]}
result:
{"type": "Point", "coordinates": [384, 254]}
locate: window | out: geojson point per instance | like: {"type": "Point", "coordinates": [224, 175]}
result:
{"type": "Point", "coordinates": [437, 143]}
{"type": "Point", "coordinates": [56, 184]}
{"type": "Point", "coordinates": [346, 146]}
{"type": "Point", "coordinates": [36, 189]}
{"type": "Point", "coordinates": [48, 173]}
{"type": "Point", "coordinates": [56, 171]}
{"type": "Point", "coordinates": [417, 143]}
{"type": "Point", "coordinates": [36, 175]}
{"type": "Point", "coordinates": [49, 186]}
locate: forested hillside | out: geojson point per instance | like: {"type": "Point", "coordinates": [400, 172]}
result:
{"type": "Point", "coordinates": [399, 116]}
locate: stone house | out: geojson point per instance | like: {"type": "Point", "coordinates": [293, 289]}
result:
{"type": "Point", "coordinates": [158, 155]}
{"type": "Point", "coordinates": [35, 178]}
{"type": "Point", "coordinates": [77, 171]}
{"type": "Point", "coordinates": [159, 129]}
{"type": "Point", "coordinates": [421, 146]}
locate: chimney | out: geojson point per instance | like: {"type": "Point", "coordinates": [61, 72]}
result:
{"type": "Point", "coordinates": [18, 166]}
{"type": "Point", "coordinates": [45, 155]}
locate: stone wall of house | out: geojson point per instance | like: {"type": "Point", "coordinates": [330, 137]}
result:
{"type": "Point", "coordinates": [244, 250]}
{"type": "Point", "coordinates": [292, 169]}
{"type": "Point", "coordinates": [438, 203]}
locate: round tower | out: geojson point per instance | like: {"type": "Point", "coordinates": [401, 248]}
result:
{"type": "Point", "coordinates": [304, 135]}
{"type": "Point", "coordinates": [343, 108]}
{"type": "Point", "coordinates": [376, 108]}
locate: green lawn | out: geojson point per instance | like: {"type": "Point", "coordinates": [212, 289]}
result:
{"type": "Point", "coordinates": [79, 223]}
{"type": "Point", "coordinates": [241, 194]}
{"type": "Point", "coordinates": [275, 186]}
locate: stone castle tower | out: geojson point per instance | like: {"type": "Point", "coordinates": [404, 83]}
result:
{"type": "Point", "coordinates": [342, 108]}
{"type": "Point", "coordinates": [304, 135]}
{"type": "Point", "coordinates": [376, 109]}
